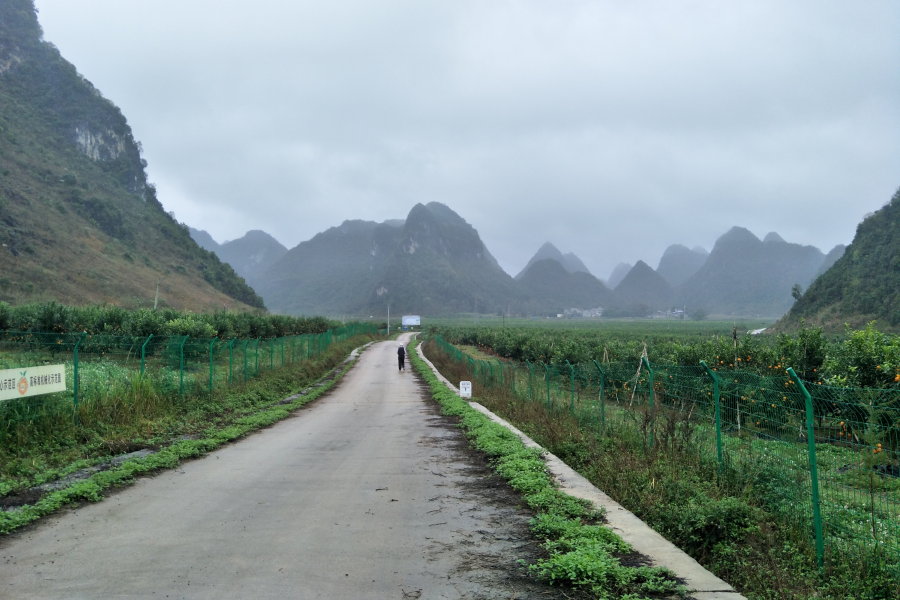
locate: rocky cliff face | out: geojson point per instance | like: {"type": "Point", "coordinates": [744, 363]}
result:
{"type": "Point", "coordinates": [76, 212]}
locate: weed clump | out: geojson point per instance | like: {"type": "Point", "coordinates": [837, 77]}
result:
{"type": "Point", "coordinates": [583, 555]}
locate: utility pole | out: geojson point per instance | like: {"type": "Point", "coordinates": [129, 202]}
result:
{"type": "Point", "coordinates": [156, 299]}
{"type": "Point", "coordinates": [389, 318]}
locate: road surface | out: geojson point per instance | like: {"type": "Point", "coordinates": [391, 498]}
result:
{"type": "Point", "coordinates": [366, 493]}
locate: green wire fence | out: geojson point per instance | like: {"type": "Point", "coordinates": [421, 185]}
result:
{"type": "Point", "coordinates": [98, 366]}
{"type": "Point", "coordinates": [824, 459]}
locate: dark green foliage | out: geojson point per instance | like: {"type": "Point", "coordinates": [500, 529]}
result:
{"type": "Point", "coordinates": [582, 555]}
{"type": "Point", "coordinates": [809, 352]}
{"type": "Point", "coordinates": [113, 320]}
{"type": "Point", "coordinates": [225, 416]}
{"type": "Point", "coordinates": [743, 529]}
{"type": "Point", "coordinates": [864, 283]}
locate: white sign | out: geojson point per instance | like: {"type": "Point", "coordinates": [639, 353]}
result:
{"type": "Point", "coordinates": [32, 381]}
{"type": "Point", "coordinates": [409, 320]}
{"type": "Point", "coordinates": [465, 389]}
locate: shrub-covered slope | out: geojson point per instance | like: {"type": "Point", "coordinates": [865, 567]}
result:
{"type": "Point", "coordinates": [864, 283]}
{"type": "Point", "coordinates": [78, 220]}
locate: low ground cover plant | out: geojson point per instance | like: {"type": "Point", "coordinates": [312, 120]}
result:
{"type": "Point", "coordinates": [176, 427]}
{"type": "Point", "coordinates": [583, 554]}
{"type": "Point", "coordinates": [862, 358]}
{"type": "Point", "coordinates": [741, 522]}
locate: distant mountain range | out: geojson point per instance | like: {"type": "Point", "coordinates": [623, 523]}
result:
{"type": "Point", "coordinates": [249, 255]}
{"type": "Point", "coordinates": [618, 274]}
{"type": "Point", "coordinates": [643, 286]}
{"type": "Point", "coordinates": [434, 262]}
{"type": "Point", "coordinates": [569, 261]}
{"type": "Point", "coordinates": [679, 263]}
{"type": "Point", "coordinates": [863, 283]}
{"type": "Point", "coordinates": [548, 287]}
{"type": "Point", "coordinates": [744, 275]}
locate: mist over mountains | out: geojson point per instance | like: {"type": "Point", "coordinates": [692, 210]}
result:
{"type": "Point", "coordinates": [569, 261]}
{"type": "Point", "coordinates": [249, 255]}
{"type": "Point", "coordinates": [434, 262]}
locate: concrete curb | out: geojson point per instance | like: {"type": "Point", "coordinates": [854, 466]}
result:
{"type": "Point", "coordinates": [702, 584]}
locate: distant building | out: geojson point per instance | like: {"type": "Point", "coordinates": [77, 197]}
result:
{"type": "Point", "coordinates": [579, 312]}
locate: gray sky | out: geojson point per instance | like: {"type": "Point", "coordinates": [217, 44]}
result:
{"type": "Point", "coordinates": [609, 128]}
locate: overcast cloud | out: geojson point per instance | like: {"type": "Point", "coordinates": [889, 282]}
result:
{"type": "Point", "coordinates": [611, 129]}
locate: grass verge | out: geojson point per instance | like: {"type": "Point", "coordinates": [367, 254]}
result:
{"type": "Point", "coordinates": [225, 417]}
{"type": "Point", "coordinates": [583, 555]}
{"type": "Point", "coordinates": [725, 523]}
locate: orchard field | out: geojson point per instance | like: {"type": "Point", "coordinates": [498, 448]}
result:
{"type": "Point", "coordinates": [862, 358]}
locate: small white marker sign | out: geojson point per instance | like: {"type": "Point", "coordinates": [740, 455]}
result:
{"type": "Point", "coordinates": [465, 389]}
{"type": "Point", "coordinates": [32, 381]}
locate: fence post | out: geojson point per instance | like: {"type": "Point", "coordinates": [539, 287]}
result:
{"type": "Point", "coordinates": [181, 365]}
{"type": "Point", "coordinates": [246, 343]}
{"type": "Point", "coordinates": [547, 375]}
{"type": "Point", "coordinates": [272, 352]}
{"type": "Point", "coordinates": [211, 345]}
{"type": "Point", "coordinates": [652, 403]}
{"type": "Point", "coordinates": [256, 357]}
{"type": "Point", "coordinates": [231, 361]}
{"type": "Point", "coordinates": [293, 339]}
{"type": "Point", "coordinates": [602, 397]}
{"type": "Point", "coordinates": [530, 380]}
{"type": "Point", "coordinates": [572, 376]}
{"type": "Point", "coordinates": [718, 404]}
{"type": "Point", "coordinates": [75, 373]}
{"type": "Point", "coordinates": [813, 468]}
{"type": "Point", "coordinates": [143, 349]}
{"type": "Point", "coordinates": [282, 351]}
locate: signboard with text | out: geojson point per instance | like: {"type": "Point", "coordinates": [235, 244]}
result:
{"type": "Point", "coordinates": [32, 381]}
{"type": "Point", "coordinates": [411, 320]}
{"type": "Point", "coordinates": [465, 389]}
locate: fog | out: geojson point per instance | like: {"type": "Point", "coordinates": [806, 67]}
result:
{"type": "Point", "coordinates": [611, 129]}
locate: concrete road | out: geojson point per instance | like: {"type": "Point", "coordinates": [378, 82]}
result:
{"type": "Point", "coordinates": [366, 493]}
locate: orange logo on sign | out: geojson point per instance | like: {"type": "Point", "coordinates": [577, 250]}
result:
{"type": "Point", "coordinates": [23, 386]}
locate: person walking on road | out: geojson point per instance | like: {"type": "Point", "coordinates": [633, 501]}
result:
{"type": "Point", "coordinates": [401, 358]}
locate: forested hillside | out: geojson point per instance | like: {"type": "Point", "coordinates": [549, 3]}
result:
{"type": "Point", "coordinates": [78, 219]}
{"type": "Point", "coordinates": [864, 284]}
